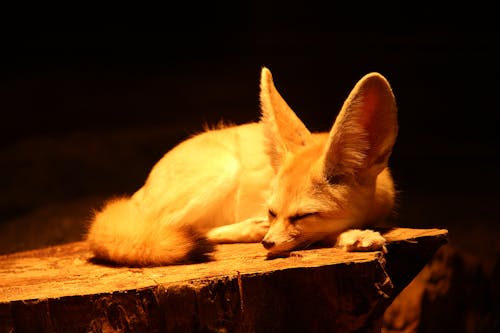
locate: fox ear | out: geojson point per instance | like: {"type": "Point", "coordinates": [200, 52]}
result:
{"type": "Point", "coordinates": [364, 132]}
{"type": "Point", "coordinates": [283, 130]}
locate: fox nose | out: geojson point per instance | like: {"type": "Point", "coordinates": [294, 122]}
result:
{"type": "Point", "coordinates": [267, 244]}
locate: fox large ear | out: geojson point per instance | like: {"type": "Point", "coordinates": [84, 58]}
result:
{"type": "Point", "coordinates": [364, 132]}
{"type": "Point", "coordinates": [283, 130]}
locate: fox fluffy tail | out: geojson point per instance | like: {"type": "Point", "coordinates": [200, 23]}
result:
{"type": "Point", "coordinates": [119, 234]}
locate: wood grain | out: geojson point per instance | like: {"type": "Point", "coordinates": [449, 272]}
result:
{"type": "Point", "coordinates": [62, 289]}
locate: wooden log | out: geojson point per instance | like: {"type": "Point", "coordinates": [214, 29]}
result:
{"type": "Point", "coordinates": [61, 289]}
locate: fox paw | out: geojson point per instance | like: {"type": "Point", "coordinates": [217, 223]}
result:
{"type": "Point", "coordinates": [251, 230]}
{"type": "Point", "coordinates": [256, 229]}
{"type": "Point", "coordinates": [361, 240]}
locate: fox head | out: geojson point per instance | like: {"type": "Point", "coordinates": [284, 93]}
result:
{"type": "Point", "coordinates": [326, 183]}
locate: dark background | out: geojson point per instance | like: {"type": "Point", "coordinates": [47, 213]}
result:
{"type": "Point", "coordinates": [87, 109]}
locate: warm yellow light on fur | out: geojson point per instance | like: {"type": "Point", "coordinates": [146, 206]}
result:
{"type": "Point", "coordinates": [220, 185]}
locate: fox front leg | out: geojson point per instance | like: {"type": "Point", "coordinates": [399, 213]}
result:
{"type": "Point", "coordinates": [251, 230]}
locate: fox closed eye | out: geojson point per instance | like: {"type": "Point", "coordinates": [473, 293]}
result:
{"type": "Point", "coordinates": [294, 218]}
{"type": "Point", "coordinates": [301, 216]}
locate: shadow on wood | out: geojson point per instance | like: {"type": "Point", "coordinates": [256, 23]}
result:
{"type": "Point", "coordinates": [59, 289]}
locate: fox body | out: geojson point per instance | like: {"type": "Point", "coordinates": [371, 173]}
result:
{"type": "Point", "coordinates": [273, 182]}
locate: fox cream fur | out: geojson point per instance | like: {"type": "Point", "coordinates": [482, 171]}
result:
{"type": "Point", "coordinates": [273, 182]}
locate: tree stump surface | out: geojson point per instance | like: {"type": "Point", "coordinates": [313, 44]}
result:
{"type": "Point", "coordinates": [61, 289]}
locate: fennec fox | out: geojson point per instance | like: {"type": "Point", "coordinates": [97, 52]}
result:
{"type": "Point", "coordinates": [273, 182]}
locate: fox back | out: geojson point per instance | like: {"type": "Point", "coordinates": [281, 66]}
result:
{"type": "Point", "coordinates": [273, 181]}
